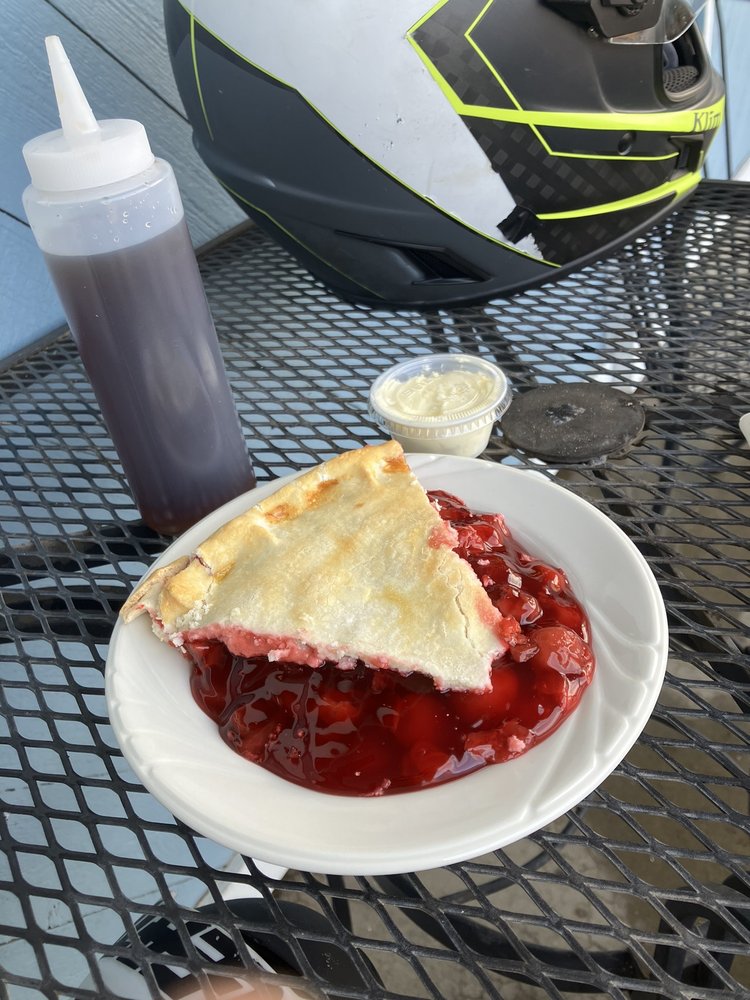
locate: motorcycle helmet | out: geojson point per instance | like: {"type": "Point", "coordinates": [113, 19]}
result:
{"type": "Point", "coordinates": [420, 153]}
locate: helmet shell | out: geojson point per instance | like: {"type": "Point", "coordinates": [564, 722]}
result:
{"type": "Point", "coordinates": [421, 154]}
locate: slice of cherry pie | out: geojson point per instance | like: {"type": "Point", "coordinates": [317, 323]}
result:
{"type": "Point", "coordinates": [350, 561]}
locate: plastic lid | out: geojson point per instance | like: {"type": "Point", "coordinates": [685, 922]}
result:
{"type": "Point", "coordinates": [445, 403]}
{"type": "Point", "coordinates": [84, 153]}
{"type": "Point", "coordinates": [439, 395]}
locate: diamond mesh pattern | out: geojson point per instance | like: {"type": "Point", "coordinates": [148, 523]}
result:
{"type": "Point", "coordinates": [565, 240]}
{"type": "Point", "coordinates": [641, 892]}
{"type": "Point", "coordinates": [547, 183]}
{"type": "Point", "coordinates": [537, 180]}
{"type": "Point", "coordinates": [462, 67]}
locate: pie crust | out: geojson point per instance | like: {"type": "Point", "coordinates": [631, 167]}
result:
{"type": "Point", "coordinates": [350, 561]}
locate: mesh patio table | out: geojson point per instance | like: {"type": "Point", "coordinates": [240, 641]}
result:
{"type": "Point", "coordinates": [642, 891]}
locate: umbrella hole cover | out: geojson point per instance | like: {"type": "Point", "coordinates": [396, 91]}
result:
{"type": "Point", "coordinates": [573, 422]}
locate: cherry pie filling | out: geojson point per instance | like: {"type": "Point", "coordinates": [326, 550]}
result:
{"type": "Point", "coordinates": [360, 731]}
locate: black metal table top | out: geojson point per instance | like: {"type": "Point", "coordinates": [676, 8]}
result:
{"type": "Point", "coordinates": [640, 892]}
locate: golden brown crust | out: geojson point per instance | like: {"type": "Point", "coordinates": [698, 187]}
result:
{"type": "Point", "coordinates": [154, 585]}
{"type": "Point", "coordinates": [221, 550]}
{"type": "Point", "coordinates": [349, 559]}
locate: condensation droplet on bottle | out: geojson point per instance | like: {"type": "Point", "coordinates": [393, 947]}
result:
{"type": "Point", "coordinates": [125, 217]}
{"type": "Point", "coordinates": [147, 225]}
{"type": "Point", "coordinates": [115, 239]}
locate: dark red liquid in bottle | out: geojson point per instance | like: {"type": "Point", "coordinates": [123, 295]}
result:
{"type": "Point", "coordinates": [372, 732]}
{"type": "Point", "coordinates": [143, 329]}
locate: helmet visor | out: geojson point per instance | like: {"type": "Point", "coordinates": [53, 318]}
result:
{"type": "Point", "coordinates": [675, 19]}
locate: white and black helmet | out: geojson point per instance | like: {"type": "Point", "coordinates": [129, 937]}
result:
{"type": "Point", "coordinates": [423, 153]}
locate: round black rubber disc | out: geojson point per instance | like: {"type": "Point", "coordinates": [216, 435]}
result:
{"type": "Point", "coordinates": [572, 422]}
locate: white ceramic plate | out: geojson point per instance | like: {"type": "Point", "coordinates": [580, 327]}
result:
{"type": "Point", "coordinates": [177, 752]}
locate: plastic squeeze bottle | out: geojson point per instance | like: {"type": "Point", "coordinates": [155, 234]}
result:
{"type": "Point", "coordinates": [109, 219]}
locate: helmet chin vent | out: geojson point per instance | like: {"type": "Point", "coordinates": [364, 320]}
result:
{"type": "Point", "coordinates": [680, 78]}
{"type": "Point", "coordinates": [439, 266]}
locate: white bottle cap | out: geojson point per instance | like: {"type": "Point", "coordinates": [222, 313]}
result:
{"type": "Point", "coordinates": [84, 153]}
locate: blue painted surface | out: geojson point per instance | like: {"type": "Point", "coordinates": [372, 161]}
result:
{"type": "Point", "coordinates": [122, 62]}
{"type": "Point", "coordinates": [30, 305]}
{"type": "Point", "coordinates": [735, 19]}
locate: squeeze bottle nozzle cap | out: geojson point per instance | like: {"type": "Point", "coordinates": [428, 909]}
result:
{"type": "Point", "coordinates": [84, 153]}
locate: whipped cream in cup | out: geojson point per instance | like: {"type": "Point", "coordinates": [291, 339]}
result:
{"type": "Point", "coordinates": [443, 403]}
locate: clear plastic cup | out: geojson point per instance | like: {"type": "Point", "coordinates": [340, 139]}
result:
{"type": "Point", "coordinates": [441, 403]}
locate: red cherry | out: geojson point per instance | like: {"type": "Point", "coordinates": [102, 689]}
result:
{"type": "Point", "coordinates": [557, 611]}
{"type": "Point", "coordinates": [333, 711]}
{"type": "Point", "coordinates": [552, 684]}
{"type": "Point", "coordinates": [516, 604]}
{"type": "Point", "coordinates": [421, 719]}
{"type": "Point", "coordinates": [210, 654]}
{"type": "Point", "coordinates": [252, 742]}
{"type": "Point", "coordinates": [426, 762]}
{"type": "Point", "coordinates": [553, 580]}
{"type": "Point", "coordinates": [507, 741]}
{"type": "Point", "coordinates": [481, 708]}
{"type": "Point", "coordinates": [561, 649]}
